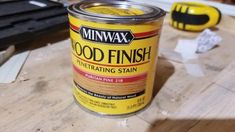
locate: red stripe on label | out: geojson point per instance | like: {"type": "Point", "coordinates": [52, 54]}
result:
{"type": "Point", "coordinates": [136, 35]}
{"type": "Point", "coordinates": [74, 27]}
{"type": "Point", "coordinates": [110, 79]}
{"type": "Point", "coordinates": [145, 34]}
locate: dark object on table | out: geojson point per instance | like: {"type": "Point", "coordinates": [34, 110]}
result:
{"type": "Point", "coordinates": [24, 20]}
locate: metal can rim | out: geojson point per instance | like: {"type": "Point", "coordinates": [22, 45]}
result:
{"type": "Point", "coordinates": [77, 10]}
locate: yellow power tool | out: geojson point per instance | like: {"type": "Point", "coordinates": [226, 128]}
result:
{"type": "Point", "coordinates": [192, 16]}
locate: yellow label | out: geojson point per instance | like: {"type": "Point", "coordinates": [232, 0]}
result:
{"type": "Point", "coordinates": [116, 11]}
{"type": "Point", "coordinates": [114, 65]}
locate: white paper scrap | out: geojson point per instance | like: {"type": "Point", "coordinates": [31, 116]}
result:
{"type": "Point", "coordinates": [187, 48]}
{"type": "Point", "coordinates": [124, 123]}
{"type": "Point", "coordinates": [10, 69]}
{"type": "Point", "coordinates": [194, 69]}
{"type": "Point", "coordinates": [170, 55]}
{"type": "Point", "coordinates": [165, 113]}
{"type": "Point", "coordinates": [207, 40]}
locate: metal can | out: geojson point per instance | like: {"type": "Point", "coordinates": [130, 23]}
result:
{"type": "Point", "coordinates": [114, 54]}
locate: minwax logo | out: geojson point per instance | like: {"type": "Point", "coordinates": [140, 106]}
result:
{"type": "Point", "coordinates": [106, 36]}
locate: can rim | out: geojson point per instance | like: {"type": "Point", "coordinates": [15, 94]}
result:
{"type": "Point", "coordinates": [151, 13]}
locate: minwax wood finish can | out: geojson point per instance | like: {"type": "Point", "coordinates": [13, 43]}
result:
{"type": "Point", "coordinates": [114, 54]}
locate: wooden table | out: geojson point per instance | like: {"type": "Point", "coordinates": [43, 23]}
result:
{"type": "Point", "coordinates": [41, 98]}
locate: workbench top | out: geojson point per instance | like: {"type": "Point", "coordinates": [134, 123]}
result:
{"type": "Point", "coordinates": [41, 100]}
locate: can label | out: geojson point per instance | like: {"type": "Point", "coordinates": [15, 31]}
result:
{"type": "Point", "coordinates": [114, 65]}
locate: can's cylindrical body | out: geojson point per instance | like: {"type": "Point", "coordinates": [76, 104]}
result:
{"type": "Point", "coordinates": [114, 54]}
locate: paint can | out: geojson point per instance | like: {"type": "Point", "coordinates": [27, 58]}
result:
{"type": "Point", "coordinates": [114, 54]}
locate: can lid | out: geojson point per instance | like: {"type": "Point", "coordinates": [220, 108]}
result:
{"type": "Point", "coordinates": [125, 12]}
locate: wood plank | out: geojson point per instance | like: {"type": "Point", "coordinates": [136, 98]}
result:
{"type": "Point", "coordinates": [193, 125]}
{"type": "Point", "coordinates": [226, 77]}
{"type": "Point", "coordinates": [210, 104]}
{"type": "Point", "coordinates": [180, 86]}
{"type": "Point", "coordinates": [211, 111]}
